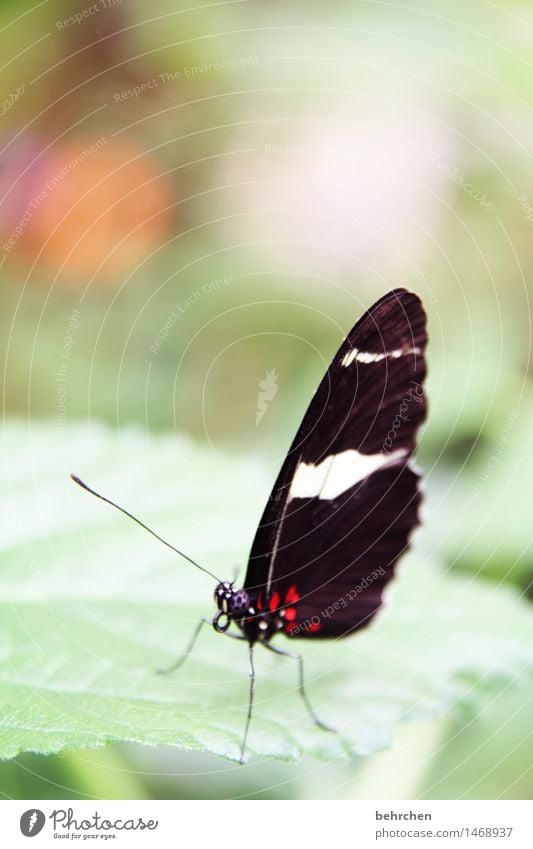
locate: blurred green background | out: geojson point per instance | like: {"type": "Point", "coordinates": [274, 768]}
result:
{"type": "Point", "coordinates": [190, 198]}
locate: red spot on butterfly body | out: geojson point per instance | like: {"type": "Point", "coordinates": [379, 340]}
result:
{"type": "Point", "coordinates": [274, 602]}
{"type": "Point", "coordinates": [293, 627]}
{"type": "Point", "coordinates": [292, 595]}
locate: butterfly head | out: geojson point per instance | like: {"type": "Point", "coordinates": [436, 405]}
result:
{"type": "Point", "coordinates": [231, 601]}
{"type": "Point", "coordinates": [232, 604]}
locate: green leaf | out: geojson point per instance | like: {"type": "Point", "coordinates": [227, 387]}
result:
{"type": "Point", "coordinates": [91, 606]}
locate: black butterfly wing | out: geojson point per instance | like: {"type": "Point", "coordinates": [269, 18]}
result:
{"type": "Point", "coordinates": [347, 496]}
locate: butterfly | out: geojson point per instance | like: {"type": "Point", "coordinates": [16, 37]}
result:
{"type": "Point", "coordinates": [345, 501]}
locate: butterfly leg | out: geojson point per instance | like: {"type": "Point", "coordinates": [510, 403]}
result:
{"type": "Point", "coordinates": [301, 685]}
{"type": "Point", "coordinates": [251, 673]}
{"type": "Point", "coordinates": [183, 657]}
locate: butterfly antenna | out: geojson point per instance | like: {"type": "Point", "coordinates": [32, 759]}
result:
{"type": "Point", "coordinates": [83, 485]}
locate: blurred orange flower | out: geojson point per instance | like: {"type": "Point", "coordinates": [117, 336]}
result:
{"type": "Point", "coordinates": [101, 204]}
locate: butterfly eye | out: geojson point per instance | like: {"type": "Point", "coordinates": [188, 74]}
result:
{"type": "Point", "coordinates": [221, 595]}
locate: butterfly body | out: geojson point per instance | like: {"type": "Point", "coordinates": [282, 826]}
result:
{"type": "Point", "coordinates": [258, 623]}
{"type": "Point", "coordinates": [345, 501]}
{"type": "Point", "coordinates": [347, 497]}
